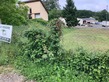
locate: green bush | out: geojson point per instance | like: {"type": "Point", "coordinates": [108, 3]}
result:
{"type": "Point", "coordinates": [42, 58]}
{"type": "Point", "coordinates": [48, 71]}
{"type": "Point", "coordinates": [70, 66]}
{"type": "Point", "coordinates": [41, 21]}
{"type": "Point", "coordinates": [41, 45]}
{"type": "Point", "coordinates": [52, 22]}
{"type": "Point", "coordinates": [12, 14]}
{"type": "Point", "coordinates": [96, 67]}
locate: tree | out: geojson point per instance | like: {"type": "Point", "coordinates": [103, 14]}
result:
{"type": "Point", "coordinates": [102, 15]}
{"type": "Point", "coordinates": [85, 13]}
{"type": "Point", "coordinates": [51, 4]}
{"type": "Point", "coordinates": [54, 13]}
{"type": "Point", "coordinates": [69, 12]}
{"type": "Point", "coordinates": [53, 8]}
{"type": "Point", "coordinates": [12, 14]}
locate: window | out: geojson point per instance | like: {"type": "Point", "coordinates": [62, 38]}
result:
{"type": "Point", "coordinates": [30, 17]}
{"type": "Point", "coordinates": [30, 10]}
{"type": "Point", "coordinates": [37, 15]}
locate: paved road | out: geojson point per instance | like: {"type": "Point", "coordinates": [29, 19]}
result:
{"type": "Point", "coordinates": [92, 26]}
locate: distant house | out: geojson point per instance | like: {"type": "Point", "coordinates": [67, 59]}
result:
{"type": "Point", "coordinates": [36, 9]}
{"type": "Point", "coordinates": [105, 23]}
{"type": "Point", "coordinates": [85, 21]}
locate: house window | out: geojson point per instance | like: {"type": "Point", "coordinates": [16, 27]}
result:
{"type": "Point", "coordinates": [37, 15]}
{"type": "Point", "coordinates": [30, 10]}
{"type": "Point", "coordinates": [30, 17]}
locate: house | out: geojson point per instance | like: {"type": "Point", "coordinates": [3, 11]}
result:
{"type": "Point", "coordinates": [105, 23]}
{"type": "Point", "coordinates": [85, 21]}
{"type": "Point", "coordinates": [36, 9]}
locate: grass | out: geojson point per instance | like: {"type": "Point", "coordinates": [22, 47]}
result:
{"type": "Point", "coordinates": [92, 39]}
{"type": "Point", "coordinates": [6, 69]}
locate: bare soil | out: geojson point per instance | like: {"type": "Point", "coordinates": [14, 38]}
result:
{"type": "Point", "coordinates": [8, 74]}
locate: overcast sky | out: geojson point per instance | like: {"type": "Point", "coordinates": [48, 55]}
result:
{"type": "Point", "coordinates": [94, 5]}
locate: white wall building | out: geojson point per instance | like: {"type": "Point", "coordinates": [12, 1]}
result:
{"type": "Point", "coordinates": [85, 21]}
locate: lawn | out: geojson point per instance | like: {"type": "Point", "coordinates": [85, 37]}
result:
{"type": "Point", "coordinates": [92, 39]}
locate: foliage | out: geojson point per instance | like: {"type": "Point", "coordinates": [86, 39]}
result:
{"type": "Point", "coordinates": [51, 4]}
{"type": "Point", "coordinates": [58, 65]}
{"type": "Point", "coordinates": [41, 46]}
{"type": "Point", "coordinates": [9, 51]}
{"type": "Point", "coordinates": [54, 9]}
{"type": "Point", "coordinates": [69, 12]}
{"type": "Point", "coordinates": [41, 21]}
{"type": "Point", "coordinates": [36, 47]}
{"type": "Point", "coordinates": [102, 15]}
{"type": "Point", "coordinates": [12, 14]}
{"type": "Point", "coordinates": [78, 66]}
{"type": "Point", "coordinates": [8, 1]}
{"type": "Point", "coordinates": [48, 71]}
{"type": "Point", "coordinates": [54, 13]}
{"type": "Point", "coordinates": [85, 13]}
{"type": "Point", "coordinates": [96, 67]}
{"type": "Point", "coordinates": [52, 22]}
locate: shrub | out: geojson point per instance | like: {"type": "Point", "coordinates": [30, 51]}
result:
{"type": "Point", "coordinates": [41, 46]}
{"type": "Point", "coordinates": [52, 22]}
{"type": "Point", "coordinates": [12, 14]}
{"type": "Point", "coordinates": [95, 67]}
{"type": "Point", "coordinates": [41, 21]}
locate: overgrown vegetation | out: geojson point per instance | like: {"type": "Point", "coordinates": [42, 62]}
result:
{"type": "Point", "coordinates": [13, 14]}
{"type": "Point", "coordinates": [77, 66]}
{"type": "Point", "coordinates": [36, 51]}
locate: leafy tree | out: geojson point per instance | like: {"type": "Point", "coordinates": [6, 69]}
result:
{"type": "Point", "coordinates": [69, 12]}
{"type": "Point", "coordinates": [85, 13]}
{"type": "Point", "coordinates": [54, 13]}
{"type": "Point", "coordinates": [53, 8]}
{"type": "Point", "coordinates": [102, 15]}
{"type": "Point", "coordinates": [12, 14]}
{"type": "Point", "coordinates": [51, 4]}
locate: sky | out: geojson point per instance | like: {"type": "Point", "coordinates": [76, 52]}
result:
{"type": "Point", "coordinates": [94, 5]}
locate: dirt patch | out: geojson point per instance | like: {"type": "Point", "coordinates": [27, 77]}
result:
{"type": "Point", "coordinates": [8, 74]}
{"type": "Point", "coordinates": [11, 77]}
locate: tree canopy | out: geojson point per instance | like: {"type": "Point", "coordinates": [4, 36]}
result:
{"type": "Point", "coordinates": [85, 13]}
{"type": "Point", "coordinates": [12, 14]}
{"type": "Point", "coordinates": [102, 15]}
{"type": "Point", "coordinates": [69, 12]}
{"type": "Point", "coordinates": [51, 4]}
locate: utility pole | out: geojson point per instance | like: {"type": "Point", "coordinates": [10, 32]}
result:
{"type": "Point", "coordinates": [106, 14]}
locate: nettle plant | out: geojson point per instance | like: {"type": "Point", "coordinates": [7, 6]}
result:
{"type": "Point", "coordinates": [41, 46]}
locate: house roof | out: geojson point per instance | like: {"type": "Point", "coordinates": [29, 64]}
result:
{"type": "Point", "coordinates": [87, 18]}
{"type": "Point", "coordinates": [30, 1]}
